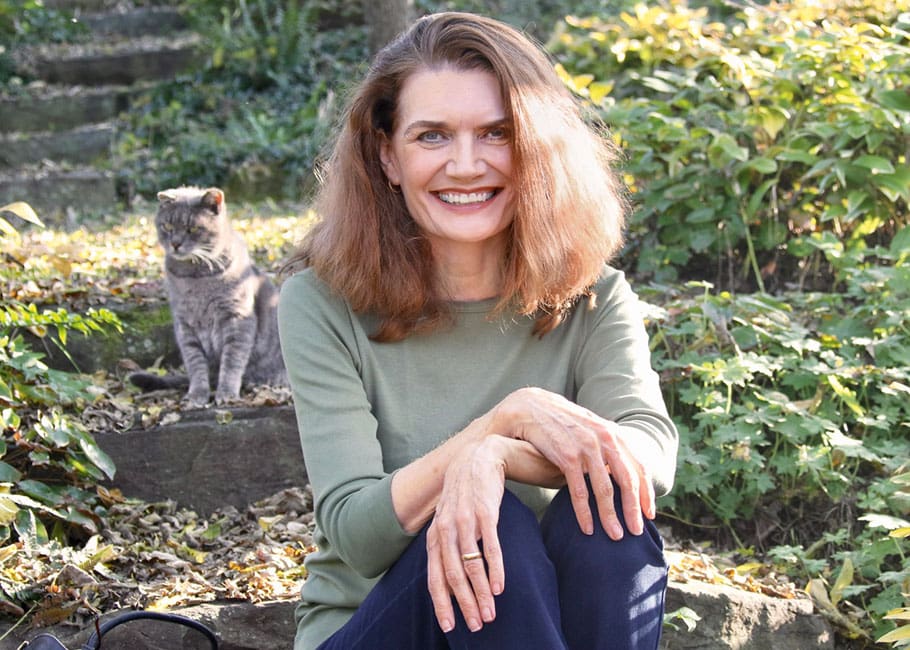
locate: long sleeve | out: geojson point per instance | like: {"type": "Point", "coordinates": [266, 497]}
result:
{"type": "Point", "coordinates": [338, 431]}
{"type": "Point", "coordinates": [614, 379]}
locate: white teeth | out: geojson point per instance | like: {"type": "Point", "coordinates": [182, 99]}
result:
{"type": "Point", "coordinates": [464, 199]}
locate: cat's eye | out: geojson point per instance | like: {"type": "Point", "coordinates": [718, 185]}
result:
{"type": "Point", "coordinates": [166, 227]}
{"type": "Point", "coordinates": [193, 229]}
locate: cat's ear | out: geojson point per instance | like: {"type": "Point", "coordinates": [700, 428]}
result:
{"type": "Point", "coordinates": [213, 198]}
{"type": "Point", "coordinates": [167, 196]}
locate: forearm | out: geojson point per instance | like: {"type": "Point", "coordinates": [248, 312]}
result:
{"type": "Point", "coordinates": [416, 487]}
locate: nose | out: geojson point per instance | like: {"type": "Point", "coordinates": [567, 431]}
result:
{"type": "Point", "coordinates": [467, 159]}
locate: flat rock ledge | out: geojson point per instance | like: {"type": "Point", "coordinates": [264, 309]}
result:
{"type": "Point", "coordinates": [731, 620]}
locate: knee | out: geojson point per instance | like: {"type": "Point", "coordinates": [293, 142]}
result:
{"type": "Point", "coordinates": [523, 549]}
{"type": "Point", "coordinates": [568, 547]}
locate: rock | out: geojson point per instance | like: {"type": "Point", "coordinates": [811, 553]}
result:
{"type": "Point", "coordinates": [739, 620]}
{"type": "Point", "coordinates": [731, 618]}
{"type": "Point", "coordinates": [238, 625]}
{"type": "Point", "coordinates": [210, 458]}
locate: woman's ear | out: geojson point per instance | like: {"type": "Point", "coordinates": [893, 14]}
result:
{"type": "Point", "coordinates": [389, 162]}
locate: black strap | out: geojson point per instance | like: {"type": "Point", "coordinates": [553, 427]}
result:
{"type": "Point", "coordinates": [94, 641]}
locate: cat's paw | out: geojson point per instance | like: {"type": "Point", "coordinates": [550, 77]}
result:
{"type": "Point", "coordinates": [196, 399]}
{"type": "Point", "coordinates": [225, 398]}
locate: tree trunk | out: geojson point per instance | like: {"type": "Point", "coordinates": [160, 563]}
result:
{"type": "Point", "coordinates": [386, 19]}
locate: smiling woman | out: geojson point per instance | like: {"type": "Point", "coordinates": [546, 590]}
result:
{"type": "Point", "coordinates": [451, 155]}
{"type": "Point", "coordinates": [479, 419]}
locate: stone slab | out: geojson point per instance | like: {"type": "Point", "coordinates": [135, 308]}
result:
{"type": "Point", "coordinates": [270, 626]}
{"type": "Point", "coordinates": [82, 145]}
{"type": "Point", "coordinates": [54, 108]}
{"type": "Point", "coordinates": [733, 619]}
{"type": "Point", "coordinates": [56, 193]}
{"type": "Point", "coordinates": [133, 22]}
{"type": "Point", "coordinates": [119, 68]}
{"type": "Point", "coordinates": [210, 458]}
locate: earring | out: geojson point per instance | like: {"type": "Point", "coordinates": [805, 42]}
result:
{"type": "Point", "coordinates": [395, 189]}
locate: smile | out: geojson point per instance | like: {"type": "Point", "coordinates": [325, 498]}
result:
{"type": "Point", "coordinates": [459, 198]}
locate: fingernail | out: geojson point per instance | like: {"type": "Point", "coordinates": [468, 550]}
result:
{"type": "Point", "coordinates": [473, 624]}
{"type": "Point", "coordinates": [487, 614]}
{"type": "Point", "coordinates": [447, 626]}
{"type": "Point", "coordinates": [616, 531]}
{"type": "Point", "coordinates": [589, 529]}
{"type": "Point", "coordinates": [497, 588]}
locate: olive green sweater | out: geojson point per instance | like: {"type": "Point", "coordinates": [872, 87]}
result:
{"type": "Point", "coordinates": [365, 409]}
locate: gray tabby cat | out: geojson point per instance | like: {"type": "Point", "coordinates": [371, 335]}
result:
{"type": "Point", "coordinates": [224, 308]}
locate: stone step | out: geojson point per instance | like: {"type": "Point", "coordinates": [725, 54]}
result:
{"type": "Point", "coordinates": [134, 22]}
{"type": "Point", "coordinates": [102, 5]}
{"type": "Point", "coordinates": [747, 622]}
{"type": "Point", "coordinates": [109, 63]}
{"type": "Point", "coordinates": [40, 107]}
{"type": "Point", "coordinates": [83, 145]}
{"type": "Point", "coordinates": [203, 461]}
{"type": "Point", "coordinates": [60, 195]}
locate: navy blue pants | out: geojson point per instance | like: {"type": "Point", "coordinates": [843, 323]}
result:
{"type": "Point", "coordinates": [563, 589]}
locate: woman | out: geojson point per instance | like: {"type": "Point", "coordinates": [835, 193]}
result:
{"type": "Point", "coordinates": [456, 328]}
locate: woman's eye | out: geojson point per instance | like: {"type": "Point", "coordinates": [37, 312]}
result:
{"type": "Point", "coordinates": [499, 134]}
{"type": "Point", "coordinates": [431, 137]}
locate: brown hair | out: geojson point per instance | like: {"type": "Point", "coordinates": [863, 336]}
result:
{"type": "Point", "coordinates": [569, 210]}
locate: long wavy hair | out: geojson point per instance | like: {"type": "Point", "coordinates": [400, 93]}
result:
{"type": "Point", "coordinates": [569, 203]}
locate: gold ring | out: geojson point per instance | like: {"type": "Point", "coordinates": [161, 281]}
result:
{"type": "Point", "coordinates": [467, 557]}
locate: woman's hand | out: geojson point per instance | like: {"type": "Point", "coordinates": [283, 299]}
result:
{"type": "Point", "coordinates": [579, 442]}
{"type": "Point", "coordinates": [466, 515]}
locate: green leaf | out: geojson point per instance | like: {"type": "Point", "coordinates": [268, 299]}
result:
{"type": "Point", "coordinates": [875, 164]}
{"type": "Point", "coordinates": [9, 474]}
{"type": "Point", "coordinates": [758, 196]}
{"type": "Point", "coordinates": [762, 165]}
{"type": "Point", "coordinates": [896, 185]}
{"type": "Point", "coordinates": [659, 85]}
{"type": "Point", "coordinates": [98, 456]}
{"type": "Point", "coordinates": [900, 243]}
{"type": "Point", "coordinates": [898, 100]}
{"type": "Point", "coordinates": [724, 149]}
{"type": "Point", "coordinates": [30, 529]}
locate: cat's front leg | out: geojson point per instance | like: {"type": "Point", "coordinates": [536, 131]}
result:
{"type": "Point", "coordinates": [239, 338]}
{"type": "Point", "coordinates": [197, 370]}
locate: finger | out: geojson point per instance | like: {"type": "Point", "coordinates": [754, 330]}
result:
{"type": "Point", "coordinates": [476, 571]}
{"type": "Point", "coordinates": [472, 561]}
{"type": "Point", "coordinates": [578, 493]}
{"type": "Point", "coordinates": [603, 495]}
{"type": "Point", "coordinates": [627, 473]}
{"type": "Point", "coordinates": [496, 571]}
{"type": "Point", "coordinates": [459, 585]}
{"type": "Point", "coordinates": [648, 498]}
{"type": "Point", "coordinates": [640, 499]}
{"type": "Point", "coordinates": [436, 584]}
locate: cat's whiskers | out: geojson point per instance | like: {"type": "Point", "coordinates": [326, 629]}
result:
{"type": "Point", "coordinates": [206, 256]}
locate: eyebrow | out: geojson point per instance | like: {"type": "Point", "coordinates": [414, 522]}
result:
{"type": "Point", "coordinates": [432, 124]}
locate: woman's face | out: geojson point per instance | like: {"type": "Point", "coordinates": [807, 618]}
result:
{"type": "Point", "coordinates": [451, 154]}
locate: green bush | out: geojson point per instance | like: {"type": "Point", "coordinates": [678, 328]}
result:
{"type": "Point", "coordinates": [49, 463]}
{"type": "Point", "coordinates": [257, 116]}
{"type": "Point", "coordinates": [766, 148]}
{"type": "Point", "coordinates": [754, 143]}
{"type": "Point", "coordinates": [794, 416]}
